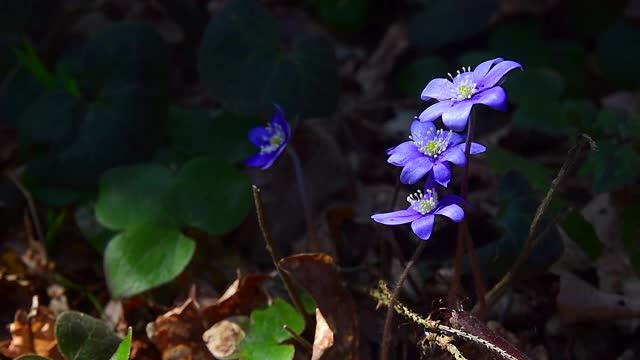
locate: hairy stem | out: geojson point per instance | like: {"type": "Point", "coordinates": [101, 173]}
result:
{"type": "Point", "coordinates": [304, 197]}
{"type": "Point", "coordinates": [499, 289]}
{"type": "Point", "coordinates": [464, 240]}
{"type": "Point", "coordinates": [264, 227]}
{"type": "Point", "coordinates": [386, 334]}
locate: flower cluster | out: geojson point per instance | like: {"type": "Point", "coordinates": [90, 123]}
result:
{"type": "Point", "coordinates": [431, 151]}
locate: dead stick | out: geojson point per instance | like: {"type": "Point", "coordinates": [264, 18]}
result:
{"type": "Point", "coordinates": [498, 290]}
{"type": "Point", "coordinates": [264, 227]}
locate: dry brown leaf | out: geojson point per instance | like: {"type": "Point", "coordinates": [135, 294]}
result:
{"type": "Point", "coordinates": [223, 337]}
{"type": "Point", "coordinates": [323, 339]}
{"type": "Point", "coordinates": [32, 332]}
{"type": "Point", "coordinates": [317, 274]}
{"type": "Point", "coordinates": [178, 333]}
{"type": "Point", "coordinates": [244, 295]}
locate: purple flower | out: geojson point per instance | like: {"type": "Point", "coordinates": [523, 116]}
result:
{"type": "Point", "coordinates": [456, 97]}
{"type": "Point", "coordinates": [271, 139]}
{"type": "Point", "coordinates": [422, 211]}
{"type": "Point", "coordinates": [430, 150]}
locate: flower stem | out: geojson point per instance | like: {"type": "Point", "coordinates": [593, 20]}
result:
{"type": "Point", "coordinates": [306, 203]}
{"type": "Point", "coordinates": [464, 240]}
{"type": "Point", "coordinates": [386, 334]}
{"type": "Point", "coordinates": [264, 227]}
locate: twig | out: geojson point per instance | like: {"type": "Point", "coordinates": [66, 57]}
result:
{"type": "Point", "coordinates": [383, 295]}
{"type": "Point", "coordinates": [306, 203]}
{"type": "Point", "coordinates": [302, 341]}
{"type": "Point", "coordinates": [498, 290]}
{"type": "Point", "coordinates": [386, 335]}
{"type": "Point", "coordinates": [264, 227]}
{"type": "Point", "coordinates": [30, 204]}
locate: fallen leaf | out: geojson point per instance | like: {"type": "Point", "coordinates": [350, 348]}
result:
{"type": "Point", "coordinates": [178, 333]}
{"type": "Point", "coordinates": [223, 337]}
{"type": "Point", "coordinates": [323, 338]}
{"type": "Point", "coordinates": [244, 295]}
{"type": "Point", "coordinates": [317, 274]}
{"type": "Point", "coordinates": [32, 332]}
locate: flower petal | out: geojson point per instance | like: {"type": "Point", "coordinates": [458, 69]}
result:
{"type": "Point", "coordinates": [452, 211]}
{"type": "Point", "coordinates": [281, 120]}
{"type": "Point", "coordinates": [455, 139]}
{"type": "Point", "coordinates": [495, 98]}
{"type": "Point", "coordinates": [454, 155]}
{"type": "Point", "coordinates": [475, 148]}
{"type": "Point", "coordinates": [415, 170]}
{"type": "Point", "coordinates": [435, 111]}
{"type": "Point", "coordinates": [419, 130]}
{"type": "Point", "coordinates": [423, 226]}
{"type": "Point", "coordinates": [442, 173]}
{"type": "Point", "coordinates": [259, 160]}
{"type": "Point", "coordinates": [397, 217]}
{"type": "Point", "coordinates": [496, 74]}
{"type": "Point", "coordinates": [403, 153]}
{"type": "Point", "coordinates": [440, 89]}
{"type": "Point", "coordinates": [259, 136]}
{"type": "Point", "coordinates": [481, 70]}
{"type": "Point", "coordinates": [455, 118]}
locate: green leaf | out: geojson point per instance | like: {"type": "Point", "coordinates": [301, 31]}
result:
{"type": "Point", "coordinates": [210, 195]}
{"type": "Point", "coordinates": [266, 332]}
{"type": "Point", "coordinates": [81, 336]}
{"type": "Point", "coordinates": [442, 22]}
{"type": "Point", "coordinates": [502, 161]}
{"type": "Point", "coordinates": [612, 166]}
{"type": "Point", "coordinates": [241, 64]}
{"type": "Point", "coordinates": [52, 119]}
{"type": "Point", "coordinates": [31, 61]}
{"type": "Point", "coordinates": [618, 123]}
{"type": "Point", "coordinates": [618, 54]}
{"type": "Point", "coordinates": [221, 136]}
{"type": "Point", "coordinates": [145, 256]}
{"type": "Point", "coordinates": [342, 15]}
{"type": "Point", "coordinates": [132, 195]}
{"type": "Point", "coordinates": [414, 78]}
{"type": "Point", "coordinates": [124, 349]}
{"type": "Point", "coordinates": [521, 41]}
{"type": "Point", "coordinates": [518, 205]}
{"type": "Point", "coordinates": [583, 233]}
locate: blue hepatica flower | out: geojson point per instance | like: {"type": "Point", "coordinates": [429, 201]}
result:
{"type": "Point", "coordinates": [423, 208]}
{"type": "Point", "coordinates": [432, 150]}
{"type": "Point", "coordinates": [271, 139]}
{"type": "Point", "coordinates": [457, 96]}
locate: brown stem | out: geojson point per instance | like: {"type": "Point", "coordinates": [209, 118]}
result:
{"type": "Point", "coordinates": [386, 335]}
{"type": "Point", "coordinates": [302, 341]}
{"type": "Point", "coordinates": [264, 227]}
{"type": "Point", "coordinates": [496, 292]}
{"type": "Point", "coordinates": [30, 204]}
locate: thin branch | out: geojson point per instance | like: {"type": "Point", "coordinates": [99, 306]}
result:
{"type": "Point", "coordinates": [264, 227]}
{"type": "Point", "coordinates": [30, 204]}
{"type": "Point", "coordinates": [499, 289]}
{"type": "Point", "coordinates": [386, 335]}
{"type": "Point", "coordinates": [302, 341]}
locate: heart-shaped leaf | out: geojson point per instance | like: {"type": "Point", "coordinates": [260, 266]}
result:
{"type": "Point", "coordinates": [124, 349]}
{"type": "Point", "coordinates": [210, 195]}
{"type": "Point", "coordinates": [132, 195]}
{"type": "Point", "coordinates": [145, 256]}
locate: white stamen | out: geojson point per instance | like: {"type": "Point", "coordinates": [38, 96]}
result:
{"type": "Point", "coordinates": [275, 139]}
{"type": "Point", "coordinates": [436, 145]}
{"type": "Point", "coordinates": [423, 203]}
